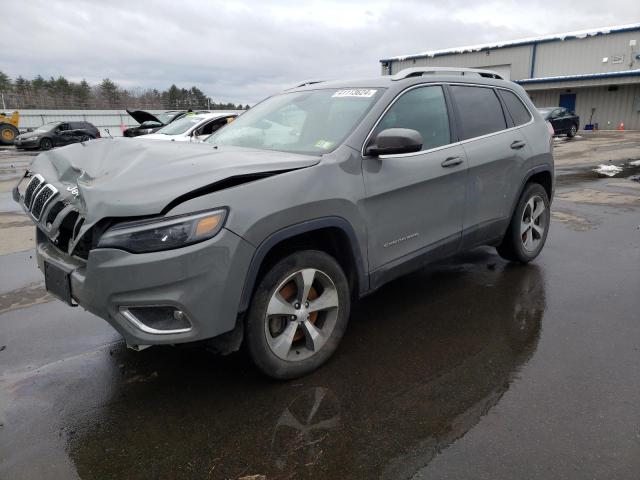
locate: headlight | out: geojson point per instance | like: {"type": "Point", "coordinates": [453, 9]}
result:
{"type": "Point", "coordinates": [165, 233]}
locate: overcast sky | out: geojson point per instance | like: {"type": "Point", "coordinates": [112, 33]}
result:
{"type": "Point", "coordinates": [242, 51]}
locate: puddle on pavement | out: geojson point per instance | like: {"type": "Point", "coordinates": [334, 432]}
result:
{"type": "Point", "coordinates": [573, 221]}
{"type": "Point", "coordinates": [589, 195]}
{"type": "Point", "coordinates": [117, 414]}
{"type": "Point", "coordinates": [27, 296]}
{"type": "Point", "coordinates": [629, 170]}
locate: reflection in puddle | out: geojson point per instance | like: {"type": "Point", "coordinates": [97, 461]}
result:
{"type": "Point", "coordinates": [423, 360]}
{"type": "Point", "coordinates": [302, 428]}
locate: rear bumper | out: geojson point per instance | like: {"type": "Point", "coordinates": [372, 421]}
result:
{"type": "Point", "coordinates": [204, 280]}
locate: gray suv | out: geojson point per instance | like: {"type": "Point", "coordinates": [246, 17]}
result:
{"type": "Point", "coordinates": [265, 233]}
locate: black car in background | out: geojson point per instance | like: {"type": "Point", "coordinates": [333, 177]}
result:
{"type": "Point", "coordinates": [562, 120]}
{"type": "Point", "coordinates": [56, 134]}
{"type": "Point", "coordinates": [151, 123]}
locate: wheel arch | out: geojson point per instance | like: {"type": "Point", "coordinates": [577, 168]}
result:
{"type": "Point", "coordinates": [334, 235]}
{"type": "Point", "coordinates": [542, 174]}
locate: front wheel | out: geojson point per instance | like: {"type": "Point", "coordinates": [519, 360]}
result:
{"type": "Point", "coordinates": [46, 144]}
{"type": "Point", "coordinates": [572, 131]}
{"type": "Point", "coordinates": [298, 314]}
{"type": "Point", "coordinates": [529, 226]}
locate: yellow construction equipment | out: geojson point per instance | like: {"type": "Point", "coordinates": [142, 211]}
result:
{"type": "Point", "coordinates": [9, 127]}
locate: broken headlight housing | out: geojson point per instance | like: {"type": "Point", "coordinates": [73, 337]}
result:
{"type": "Point", "coordinates": [156, 234]}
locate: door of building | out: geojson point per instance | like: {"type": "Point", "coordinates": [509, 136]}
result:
{"type": "Point", "coordinates": [568, 101]}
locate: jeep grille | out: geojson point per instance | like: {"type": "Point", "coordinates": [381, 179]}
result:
{"type": "Point", "coordinates": [57, 218]}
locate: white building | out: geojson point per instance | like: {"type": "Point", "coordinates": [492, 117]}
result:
{"type": "Point", "coordinates": [595, 73]}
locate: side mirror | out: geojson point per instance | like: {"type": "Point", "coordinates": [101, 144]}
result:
{"type": "Point", "coordinates": [394, 141]}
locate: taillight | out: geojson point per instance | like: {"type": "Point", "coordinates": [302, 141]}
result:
{"type": "Point", "coordinates": [98, 134]}
{"type": "Point", "coordinates": [550, 128]}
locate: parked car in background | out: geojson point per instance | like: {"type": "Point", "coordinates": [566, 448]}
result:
{"type": "Point", "coordinates": [562, 120]}
{"type": "Point", "coordinates": [152, 122]}
{"type": "Point", "coordinates": [56, 134]}
{"type": "Point", "coordinates": [193, 127]}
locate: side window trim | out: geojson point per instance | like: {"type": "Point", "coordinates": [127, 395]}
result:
{"type": "Point", "coordinates": [524, 104]}
{"type": "Point", "coordinates": [531, 120]}
{"type": "Point", "coordinates": [449, 105]}
{"type": "Point", "coordinates": [452, 110]}
{"type": "Point", "coordinates": [505, 111]}
{"type": "Point", "coordinates": [505, 116]}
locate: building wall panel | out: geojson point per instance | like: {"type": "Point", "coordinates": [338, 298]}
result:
{"type": "Point", "coordinates": [584, 55]}
{"type": "Point", "coordinates": [611, 107]}
{"type": "Point", "coordinates": [519, 58]}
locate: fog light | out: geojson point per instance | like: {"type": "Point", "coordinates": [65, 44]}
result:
{"type": "Point", "coordinates": [157, 319]}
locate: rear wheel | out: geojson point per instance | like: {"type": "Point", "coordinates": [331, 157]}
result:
{"type": "Point", "coordinates": [46, 144]}
{"type": "Point", "coordinates": [85, 138]}
{"type": "Point", "coordinates": [527, 232]}
{"type": "Point", "coordinates": [572, 131]}
{"type": "Point", "coordinates": [298, 314]}
{"type": "Point", "coordinates": [8, 133]}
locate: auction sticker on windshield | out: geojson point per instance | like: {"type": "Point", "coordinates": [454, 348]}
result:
{"type": "Point", "coordinates": [355, 92]}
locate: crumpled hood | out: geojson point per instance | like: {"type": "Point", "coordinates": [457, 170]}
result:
{"type": "Point", "coordinates": [121, 177]}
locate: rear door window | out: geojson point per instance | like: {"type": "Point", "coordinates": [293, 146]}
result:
{"type": "Point", "coordinates": [515, 107]}
{"type": "Point", "coordinates": [479, 110]}
{"type": "Point", "coordinates": [423, 109]}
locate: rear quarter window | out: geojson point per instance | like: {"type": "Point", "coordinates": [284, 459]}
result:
{"type": "Point", "coordinates": [515, 107]}
{"type": "Point", "coordinates": [479, 111]}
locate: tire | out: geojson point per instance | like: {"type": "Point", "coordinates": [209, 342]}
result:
{"type": "Point", "coordinates": [8, 133]}
{"type": "Point", "coordinates": [284, 348]}
{"type": "Point", "coordinates": [46, 144]}
{"type": "Point", "coordinates": [85, 138]}
{"type": "Point", "coordinates": [527, 234]}
{"type": "Point", "coordinates": [572, 131]}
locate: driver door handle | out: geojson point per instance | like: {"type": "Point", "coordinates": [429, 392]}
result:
{"type": "Point", "coordinates": [518, 144]}
{"type": "Point", "coordinates": [451, 162]}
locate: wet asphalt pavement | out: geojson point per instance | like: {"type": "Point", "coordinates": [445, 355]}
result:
{"type": "Point", "coordinates": [473, 368]}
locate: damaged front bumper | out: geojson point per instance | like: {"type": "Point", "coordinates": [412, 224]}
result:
{"type": "Point", "coordinates": [171, 296]}
{"type": "Point", "coordinates": [197, 287]}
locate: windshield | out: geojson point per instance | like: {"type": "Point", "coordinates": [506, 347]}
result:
{"type": "Point", "coordinates": [303, 122]}
{"type": "Point", "coordinates": [47, 127]}
{"type": "Point", "coordinates": [181, 125]}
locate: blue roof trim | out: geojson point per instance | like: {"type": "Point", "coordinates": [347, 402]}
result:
{"type": "Point", "coordinates": [566, 78]}
{"type": "Point", "coordinates": [509, 44]}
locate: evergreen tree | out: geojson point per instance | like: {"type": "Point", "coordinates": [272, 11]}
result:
{"type": "Point", "coordinates": [62, 93]}
{"type": "Point", "coordinates": [83, 94]}
{"type": "Point", "coordinates": [110, 93]}
{"type": "Point", "coordinates": [5, 82]}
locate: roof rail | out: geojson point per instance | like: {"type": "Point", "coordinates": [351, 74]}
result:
{"type": "Point", "coordinates": [420, 71]}
{"type": "Point", "coordinates": [305, 83]}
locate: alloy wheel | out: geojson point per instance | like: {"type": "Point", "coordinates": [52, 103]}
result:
{"type": "Point", "coordinates": [533, 223]}
{"type": "Point", "coordinates": [301, 314]}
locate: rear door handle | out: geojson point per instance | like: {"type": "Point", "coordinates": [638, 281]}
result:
{"type": "Point", "coordinates": [451, 162]}
{"type": "Point", "coordinates": [518, 144]}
